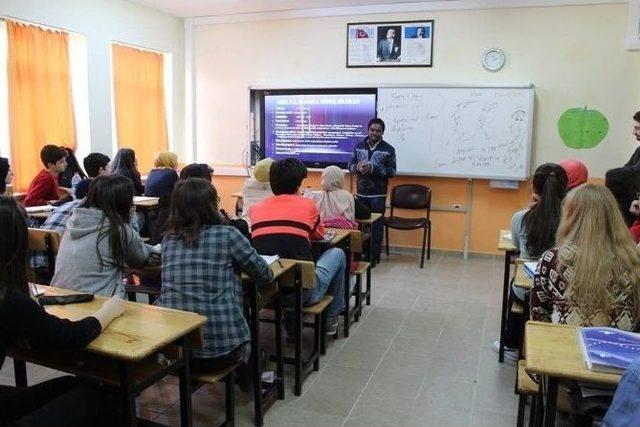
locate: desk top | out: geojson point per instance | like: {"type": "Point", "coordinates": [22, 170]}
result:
{"type": "Point", "coordinates": [522, 279]}
{"type": "Point", "coordinates": [374, 217]}
{"type": "Point", "coordinates": [145, 202]}
{"type": "Point", "coordinates": [504, 241]}
{"type": "Point", "coordinates": [141, 331]}
{"type": "Point", "coordinates": [554, 351]}
{"type": "Point", "coordinates": [341, 234]}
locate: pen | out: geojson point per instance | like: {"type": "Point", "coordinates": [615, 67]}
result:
{"type": "Point", "coordinates": [280, 264]}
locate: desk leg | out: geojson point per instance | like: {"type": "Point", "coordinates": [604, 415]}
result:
{"type": "Point", "coordinates": [129, 398]}
{"type": "Point", "coordinates": [20, 372]}
{"type": "Point", "coordinates": [279, 357]}
{"type": "Point", "coordinates": [551, 402]}
{"type": "Point", "coordinates": [255, 357]}
{"type": "Point", "coordinates": [298, 344]}
{"type": "Point", "coordinates": [347, 287]}
{"type": "Point", "coordinates": [185, 385]}
{"type": "Point", "coordinates": [505, 296]}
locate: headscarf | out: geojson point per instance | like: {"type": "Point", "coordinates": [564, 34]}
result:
{"type": "Point", "coordinates": [4, 170]}
{"type": "Point", "coordinates": [576, 172]}
{"type": "Point", "coordinates": [333, 201]}
{"type": "Point", "coordinates": [261, 170]}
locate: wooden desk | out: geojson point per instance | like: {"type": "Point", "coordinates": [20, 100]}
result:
{"type": "Point", "coordinates": [553, 351]}
{"type": "Point", "coordinates": [141, 202]}
{"type": "Point", "coordinates": [505, 244]}
{"type": "Point", "coordinates": [522, 279]}
{"type": "Point", "coordinates": [264, 397]}
{"type": "Point", "coordinates": [121, 354]}
{"type": "Point", "coordinates": [366, 226]}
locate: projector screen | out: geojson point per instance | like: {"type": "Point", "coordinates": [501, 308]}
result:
{"type": "Point", "coordinates": [320, 128]}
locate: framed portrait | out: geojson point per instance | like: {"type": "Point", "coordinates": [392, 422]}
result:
{"type": "Point", "coordinates": [390, 44]}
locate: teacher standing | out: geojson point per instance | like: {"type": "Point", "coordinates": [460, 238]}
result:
{"type": "Point", "coordinates": [374, 162]}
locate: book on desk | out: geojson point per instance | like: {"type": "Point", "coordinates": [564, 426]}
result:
{"type": "Point", "coordinates": [608, 350]}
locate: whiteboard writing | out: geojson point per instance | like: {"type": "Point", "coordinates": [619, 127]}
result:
{"type": "Point", "coordinates": [461, 132]}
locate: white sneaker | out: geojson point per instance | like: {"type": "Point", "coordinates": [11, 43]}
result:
{"type": "Point", "coordinates": [509, 353]}
{"type": "Point", "coordinates": [331, 327]}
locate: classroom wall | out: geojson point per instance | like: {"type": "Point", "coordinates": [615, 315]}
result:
{"type": "Point", "coordinates": [102, 22]}
{"type": "Point", "coordinates": [573, 54]}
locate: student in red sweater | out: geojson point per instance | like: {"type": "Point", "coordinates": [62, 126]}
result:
{"type": "Point", "coordinates": [44, 187]}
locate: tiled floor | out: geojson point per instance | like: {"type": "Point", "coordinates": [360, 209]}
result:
{"type": "Point", "coordinates": [421, 356]}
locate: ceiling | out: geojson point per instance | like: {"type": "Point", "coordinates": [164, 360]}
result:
{"type": "Point", "coordinates": [192, 8]}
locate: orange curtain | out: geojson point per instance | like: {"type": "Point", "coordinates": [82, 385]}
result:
{"type": "Point", "coordinates": [141, 123]}
{"type": "Point", "coordinates": [40, 100]}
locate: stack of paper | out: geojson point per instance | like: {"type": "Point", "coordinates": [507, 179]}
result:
{"type": "Point", "coordinates": [36, 209]}
{"type": "Point", "coordinates": [270, 259]}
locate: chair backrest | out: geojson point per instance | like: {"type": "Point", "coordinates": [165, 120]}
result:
{"type": "Point", "coordinates": [356, 241]}
{"type": "Point", "coordinates": [43, 240]}
{"type": "Point", "coordinates": [411, 196]}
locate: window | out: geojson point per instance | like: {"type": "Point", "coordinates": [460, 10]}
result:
{"type": "Point", "coordinates": [141, 100]}
{"type": "Point", "coordinates": [43, 79]}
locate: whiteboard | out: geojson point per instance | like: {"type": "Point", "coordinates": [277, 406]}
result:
{"type": "Point", "coordinates": [461, 132]}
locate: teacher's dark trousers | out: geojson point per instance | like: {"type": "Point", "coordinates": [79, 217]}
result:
{"type": "Point", "coordinates": [377, 205]}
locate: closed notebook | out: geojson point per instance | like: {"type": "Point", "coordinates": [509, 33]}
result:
{"type": "Point", "coordinates": [609, 349]}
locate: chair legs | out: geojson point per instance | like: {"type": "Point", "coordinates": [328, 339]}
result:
{"type": "Point", "coordinates": [386, 241]}
{"type": "Point", "coordinates": [429, 243]}
{"type": "Point", "coordinates": [424, 243]}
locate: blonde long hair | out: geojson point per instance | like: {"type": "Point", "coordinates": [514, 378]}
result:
{"type": "Point", "coordinates": [592, 224]}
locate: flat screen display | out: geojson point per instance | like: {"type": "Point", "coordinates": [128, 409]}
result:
{"type": "Point", "coordinates": [320, 129]}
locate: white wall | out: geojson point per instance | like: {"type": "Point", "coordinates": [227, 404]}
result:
{"type": "Point", "coordinates": [101, 22]}
{"type": "Point", "coordinates": [574, 55]}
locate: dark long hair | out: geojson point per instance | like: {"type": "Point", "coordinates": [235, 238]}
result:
{"type": "Point", "coordinates": [194, 205]}
{"type": "Point", "coordinates": [542, 219]}
{"type": "Point", "coordinates": [4, 171]}
{"type": "Point", "coordinates": [624, 183]}
{"type": "Point", "coordinates": [65, 178]}
{"type": "Point", "coordinates": [113, 195]}
{"type": "Point", "coordinates": [14, 270]}
{"type": "Point", "coordinates": [124, 161]}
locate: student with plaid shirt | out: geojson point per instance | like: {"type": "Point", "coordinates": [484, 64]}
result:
{"type": "Point", "coordinates": [202, 259]}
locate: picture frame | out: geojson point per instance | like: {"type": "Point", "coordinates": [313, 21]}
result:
{"type": "Point", "coordinates": [390, 44]}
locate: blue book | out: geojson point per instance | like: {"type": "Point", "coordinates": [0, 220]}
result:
{"type": "Point", "coordinates": [608, 349]}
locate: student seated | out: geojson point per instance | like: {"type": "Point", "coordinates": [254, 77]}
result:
{"type": "Point", "coordinates": [6, 175]}
{"type": "Point", "coordinates": [625, 408]}
{"type": "Point", "coordinates": [124, 163]}
{"type": "Point", "coordinates": [592, 275]}
{"type": "Point", "coordinates": [577, 172]}
{"type": "Point", "coordinates": [44, 187]}
{"type": "Point", "coordinates": [163, 176]}
{"type": "Point", "coordinates": [285, 223]}
{"type": "Point", "coordinates": [61, 401]}
{"type": "Point", "coordinates": [57, 221]}
{"type": "Point", "coordinates": [335, 204]}
{"type": "Point", "coordinates": [72, 174]}
{"type": "Point", "coordinates": [96, 164]}
{"type": "Point", "coordinates": [202, 259]}
{"type": "Point", "coordinates": [257, 188]}
{"type": "Point", "coordinates": [533, 231]}
{"type": "Point", "coordinates": [100, 243]}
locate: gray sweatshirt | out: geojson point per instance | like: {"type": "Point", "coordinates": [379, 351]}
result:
{"type": "Point", "coordinates": [78, 266]}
